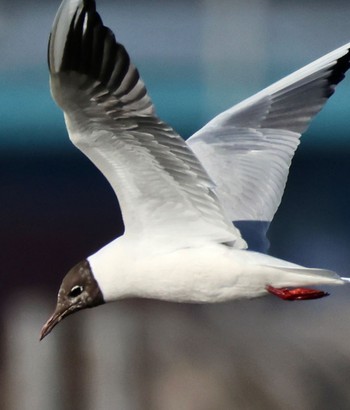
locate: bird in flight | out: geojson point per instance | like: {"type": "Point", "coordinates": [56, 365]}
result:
{"type": "Point", "coordinates": [196, 211]}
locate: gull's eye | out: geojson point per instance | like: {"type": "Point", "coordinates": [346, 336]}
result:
{"type": "Point", "coordinates": [75, 291]}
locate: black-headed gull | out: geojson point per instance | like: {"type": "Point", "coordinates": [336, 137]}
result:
{"type": "Point", "coordinates": [178, 198]}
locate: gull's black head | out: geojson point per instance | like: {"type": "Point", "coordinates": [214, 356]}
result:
{"type": "Point", "coordinates": [79, 290]}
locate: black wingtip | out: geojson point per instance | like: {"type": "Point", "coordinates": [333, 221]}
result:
{"type": "Point", "coordinates": [90, 5]}
{"type": "Point", "coordinates": [341, 67]}
{"type": "Point", "coordinates": [338, 72]}
{"type": "Point", "coordinates": [80, 42]}
{"type": "Point", "coordinates": [68, 25]}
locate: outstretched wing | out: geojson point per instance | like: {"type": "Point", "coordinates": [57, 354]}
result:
{"type": "Point", "coordinates": [247, 150]}
{"type": "Point", "coordinates": [163, 190]}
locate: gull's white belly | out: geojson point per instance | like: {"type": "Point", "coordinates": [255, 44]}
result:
{"type": "Point", "coordinates": [212, 273]}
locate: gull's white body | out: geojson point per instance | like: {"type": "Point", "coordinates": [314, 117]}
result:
{"type": "Point", "coordinates": [178, 199]}
{"type": "Point", "coordinates": [209, 273]}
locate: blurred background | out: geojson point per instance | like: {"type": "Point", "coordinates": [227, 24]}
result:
{"type": "Point", "coordinates": [197, 58]}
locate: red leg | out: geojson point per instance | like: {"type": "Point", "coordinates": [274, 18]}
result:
{"type": "Point", "coordinates": [297, 293]}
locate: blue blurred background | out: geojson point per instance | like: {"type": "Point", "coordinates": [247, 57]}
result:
{"type": "Point", "coordinates": [197, 58]}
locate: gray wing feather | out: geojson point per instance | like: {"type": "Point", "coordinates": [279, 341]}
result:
{"type": "Point", "coordinates": [247, 150]}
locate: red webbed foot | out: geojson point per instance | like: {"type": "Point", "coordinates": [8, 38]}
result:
{"type": "Point", "coordinates": [297, 293]}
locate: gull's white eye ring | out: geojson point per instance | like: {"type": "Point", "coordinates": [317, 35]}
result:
{"type": "Point", "coordinates": [75, 291]}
